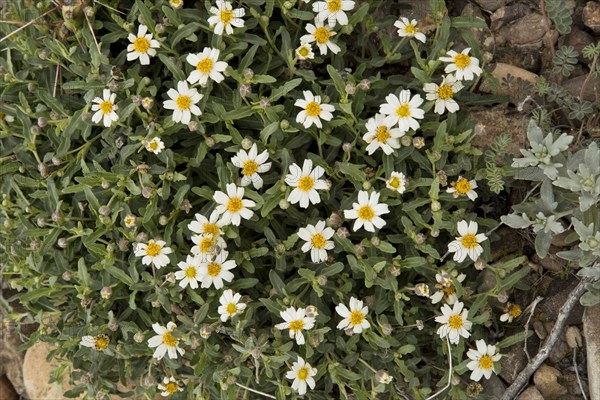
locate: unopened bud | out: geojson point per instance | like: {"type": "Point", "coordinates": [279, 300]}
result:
{"type": "Point", "coordinates": [147, 192]}
{"type": "Point", "coordinates": [418, 142]}
{"type": "Point", "coordinates": [395, 270]}
{"type": "Point", "coordinates": [138, 337]}
{"type": "Point", "coordinates": [436, 206]}
{"type": "Point", "coordinates": [123, 244]}
{"type": "Point", "coordinates": [420, 238]}
{"type": "Point", "coordinates": [104, 211]}
{"type": "Point", "coordinates": [41, 222]}
{"type": "Point", "coordinates": [159, 28]}
{"type": "Point", "coordinates": [264, 103]}
{"type": "Point", "coordinates": [284, 124]}
{"type": "Point", "coordinates": [383, 377]}
{"type": "Point", "coordinates": [245, 89]}
{"type": "Point", "coordinates": [387, 329]}
{"type": "Point", "coordinates": [359, 249]}
{"type": "Point", "coordinates": [137, 100]}
{"type": "Point", "coordinates": [421, 289]}
{"type": "Point", "coordinates": [67, 275]}
{"type": "Point", "coordinates": [205, 332]}
{"type": "Point", "coordinates": [32, 87]}
{"type": "Point", "coordinates": [284, 204]}
{"type": "Point", "coordinates": [334, 220]}
{"type": "Point", "coordinates": [366, 185]}
{"type": "Point", "coordinates": [364, 85]}
{"type": "Point", "coordinates": [248, 73]}
{"type": "Point", "coordinates": [147, 103]}
{"type": "Point", "coordinates": [170, 277]}
{"type": "Point", "coordinates": [434, 233]}
{"type": "Point", "coordinates": [119, 142]}
{"type": "Point", "coordinates": [311, 311]}
{"type": "Point", "coordinates": [375, 241]}
{"type": "Point", "coordinates": [502, 296]}
{"type": "Point", "coordinates": [113, 86]}
{"type": "Point", "coordinates": [347, 147]}
{"type": "Point", "coordinates": [141, 237]}
{"type": "Point", "coordinates": [246, 144]}
{"type": "Point", "coordinates": [322, 280]}
{"type": "Point", "coordinates": [163, 220]}
{"type": "Point", "coordinates": [280, 248]}
{"type": "Point", "coordinates": [343, 232]}
{"type": "Point", "coordinates": [420, 324]}
{"type": "Point", "coordinates": [113, 325]}
{"type": "Point", "coordinates": [350, 88]}
{"type": "Point", "coordinates": [479, 264]}
{"type": "Point", "coordinates": [406, 141]}
{"type": "Point", "coordinates": [210, 142]}
{"type": "Point", "coordinates": [57, 217]}
{"type": "Point", "coordinates": [63, 243]}
{"type": "Point", "coordinates": [42, 122]}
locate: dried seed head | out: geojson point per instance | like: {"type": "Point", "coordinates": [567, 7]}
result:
{"type": "Point", "coordinates": [246, 143]}
{"type": "Point", "coordinates": [245, 89]}
{"type": "Point", "coordinates": [343, 232]}
{"type": "Point", "coordinates": [264, 103]}
{"type": "Point", "coordinates": [334, 220]}
{"type": "Point", "coordinates": [364, 85]}
{"type": "Point", "coordinates": [383, 377]}
{"type": "Point", "coordinates": [418, 142]}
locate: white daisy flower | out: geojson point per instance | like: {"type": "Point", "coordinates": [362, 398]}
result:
{"type": "Point", "coordinates": [313, 111]}
{"type": "Point", "coordinates": [164, 341]}
{"type": "Point", "coordinates": [207, 226]}
{"type": "Point", "coordinates": [252, 164]}
{"type": "Point", "coordinates": [321, 36]}
{"type": "Point", "coordinates": [155, 252]}
{"type": "Point", "coordinates": [463, 187]}
{"type": "Point", "coordinates": [207, 66]}
{"type": "Point", "coordinates": [99, 342]}
{"type": "Point", "coordinates": [443, 95]}
{"type": "Point", "coordinates": [454, 322]}
{"type": "Point", "coordinates": [302, 374]}
{"type": "Point", "coordinates": [224, 17]}
{"type": "Point", "coordinates": [190, 272]}
{"type": "Point", "coordinates": [305, 182]}
{"type": "Point", "coordinates": [183, 102]}
{"type": "Point", "coordinates": [232, 205]}
{"type": "Point", "coordinates": [207, 246]}
{"type": "Point", "coordinates": [176, 4]}
{"type": "Point", "coordinates": [397, 182]}
{"type": "Point", "coordinates": [482, 360]}
{"type": "Point", "coordinates": [230, 304]}
{"type": "Point", "coordinates": [142, 46]}
{"type": "Point", "coordinates": [367, 212]}
{"type": "Point", "coordinates": [511, 311]}
{"type": "Point", "coordinates": [296, 321]}
{"type": "Point", "coordinates": [317, 242]}
{"type": "Point", "coordinates": [445, 288]}
{"type": "Point", "coordinates": [468, 243]}
{"type": "Point", "coordinates": [304, 52]}
{"type": "Point", "coordinates": [105, 108]}
{"type": "Point", "coordinates": [381, 135]}
{"type": "Point", "coordinates": [6, 118]}
{"type": "Point", "coordinates": [403, 110]}
{"type": "Point", "coordinates": [215, 271]}
{"type": "Point", "coordinates": [154, 145]}
{"type": "Point", "coordinates": [408, 28]}
{"type": "Point", "coordinates": [169, 385]}
{"type": "Point", "coordinates": [354, 318]}
{"type": "Point", "coordinates": [464, 66]}
{"type": "Point", "coordinates": [332, 11]}
{"type": "Point", "coordinates": [130, 221]}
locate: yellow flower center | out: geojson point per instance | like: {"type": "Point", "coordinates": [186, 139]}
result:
{"type": "Point", "coordinates": [322, 35]}
{"type": "Point", "coordinates": [403, 111]}
{"type": "Point", "coordinates": [394, 182]}
{"type": "Point", "coordinates": [462, 186]}
{"type": "Point", "coordinates": [303, 373]}
{"type": "Point", "coordinates": [106, 107]}
{"type": "Point", "coordinates": [183, 102]}
{"type": "Point", "coordinates": [449, 290]}
{"type": "Point", "coordinates": [303, 51]}
{"type": "Point", "coordinates": [486, 362]}
{"type": "Point", "coordinates": [334, 5]}
{"type": "Point", "coordinates": [250, 168]}
{"type": "Point", "coordinates": [318, 241]}
{"type": "Point", "coordinates": [410, 29]}
{"type": "Point", "coordinates": [297, 325]}
{"type": "Point", "coordinates": [205, 65]}
{"type": "Point", "coordinates": [211, 229]}
{"type": "Point", "coordinates": [231, 308]}
{"type": "Point", "coordinates": [313, 109]}
{"type": "Point", "coordinates": [153, 249]}
{"type": "Point", "coordinates": [469, 241]}
{"type": "Point", "coordinates": [306, 183]}
{"type": "Point", "coordinates": [445, 92]}
{"type": "Point", "coordinates": [356, 317]}
{"type": "Point", "coordinates": [226, 16]}
{"type": "Point", "coordinates": [190, 272]}
{"type": "Point", "coordinates": [515, 310]}
{"type": "Point", "coordinates": [129, 220]}
{"type": "Point", "coordinates": [214, 269]}
{"type": "Point", "coordinates": [153, 145]}
{"type": "Point", "coordinates": [234, 204]}
{"type": "Point", "coordinates": [102, 342]}
{"type": "Point", "coordinates": [169, 339]}
{"type": "Point", "coordinates": [141, 44]}
{"type": "Point", "coordinates": [382, 134]}
{"type": "Point", "coordinates": [175, 3]}
{"type": "Point", "coordinates": [171, 387]}
{"type": "Point", "coordinates": [462, 61]}
{"type": "Point", "coordinates": [366, 212]}
{"type": "Point", "coordinates": [455, 321]}
{"type": "Point", "coordinates": [206, 244]}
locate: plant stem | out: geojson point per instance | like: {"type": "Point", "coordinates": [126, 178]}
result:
{"type": "Point", "coordinates": [587, 78]}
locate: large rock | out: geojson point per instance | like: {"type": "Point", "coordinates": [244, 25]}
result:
{"type": "Point", "coordinates": [591, 15]}
{"type": "Point", "coordinates": [7, 392]}
{"type": "Point", "coordinates": [546, 381]}
{"type": "Point", "coordinates": [509, 81]}
{"type": "Point", "coordinates": [591, 329]}
{"type": "Point", "coordinates": [506, 15]}
{"type": "Point", "coordinates": [578, 39]}
{"type": "Point", "coordinates": [11, 361]}
{"type": "Point", "coordinates": [557, 294]}
{"type": "Point", "coordinates": [36, 374]}
{"type": "Point", "coordinates": [592, 89]}
{"type": "Point", "coordinates": [528, 31]}
{"type": "Point", "coordinates": [495, 121]}
{"type": "Point", "coordinates": [492, 5]}
{"type": "Point", "coordinates": [531, 393]}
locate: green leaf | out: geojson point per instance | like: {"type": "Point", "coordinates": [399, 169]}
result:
{"type": "Point", "coordinates": [178, 73]}
{"type": "Point", "coordinates": [514, 339]}
{"type": "Point", "coordinates": [338, 82]}
{"type": "Point", "coordinates": [146, 14]}
{"type": "Point", "coordinates": [119, 274]}
{"type": "Point", "coordinates": [285, 89]}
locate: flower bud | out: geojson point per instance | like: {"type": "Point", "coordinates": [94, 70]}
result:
{"type": "Point", "coordinates": [350, 88]}
{"type": "Point", "coordinates": [141, 237]}
{"type": "Point", "coordinates": [159, 28]}
{"type": "Point", "coordinates": [245, 89]}
{"type": "Point", "coordinates": [113, 86]}
{"type": "Point", "coordinates": [347, 29]}
{"type": "Point", "coordinates": [284, 204]}
{"type": "Point", "coordinates": [366, 185]}
{"type": "Point", "coordinates": [63, 243]}
{"type": "Point", "coordinates": [147, 192]}
{"type": "Point", "coordinates": [502, 296]}
{"type": "Point", "coordinates": [334, 220]}
{"type": "Point", "coordinates": [364, 85]}
{"type": "Point", "coordinates": [57, 217]}
{"type": "Point", "coordinates": [123, 245]}
{"type": "Point", "coordinates": [343, 232]}
{"type": "Point", "coordinates": [436, 206]}
{"type": "Point", "coordinates": [35, 130]}
{"type": "Point", "coordinates": [256, 352]}
{"type": "Point", "coordinates": [387, 329]}
{"type": "Point", "coordinates": [434, 233]}
{"type": "Point", "coordinates": [85, 379]}
{"type": "Point", "coordinates": [359, 249]}
{"type": "Point", "coordinates": [421, 289]}
{"type": "Point", "coordinates": [311, 311]}
{"type": "Point", "coordinates": [264, 103]}
{"type": "Point", "coordinates": [41, 222]}
{"type": "Point", "coordinates": [32, 87]}
{"type": "Point", "coordinates": [119, 142]}
{"type": "Point", "coordinates": [418, 142]}
{"type": "Point", "coordinates": [137, 100]}
{"type": "Point", "coordinates": [248, 73]}
{"type": "Point", "coordinates": [35, 245]}
{"type": "Point", "coordinates": [170, 277]}
{"type": "Point", "coordinates": [383, 377]}
{"type": "Point", "coordinates": [479, 264]}
{"type": "Point", "coordinates": [138, 337]}
{"type": "Point", "coordinates": [104, 211]}
{"type": "Point", "coordinates": [67, 275]}
{"type": "Point", "coordinates": [280, 248]}
{"type": "Point", "coordinates": [147, 103]}
{"type": "Point", "coordinates": [347, 147]}
{"type": "Point", "coordinates": [322, 280]}
{"type": "Point", "coordinates": [43, 54]}
{"type": "Point", "coordinates": [210, 142]}
{"type": "Point", "coordinates": [284, 124]}
{"type": "Point", "coordinates": [420, 324]}
{"type": "Point", "coordinates": [163, 220]}
{"type": "Point", "coordinates": [113, 325]}
{"type": "Point", "coordinates": [420, 238]}
{"type": "Point", "coordinates": [81, 205]}
{"type": "Point", "coordinates": [205, 332]}
{"type": "Point", "coordinates": [375, 241]}
{"type": "Point", "coordinates": [246, 143]}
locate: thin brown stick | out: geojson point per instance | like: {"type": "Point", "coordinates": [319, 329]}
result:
{"type": "Point", "coordinates": [587, 78]}
{"type": "Point", "coordinates": [27, 24]}
{"type": "Point", "coordinates": [521, 380]}
{"type": "Point", "coordinates": [548, 25]}
{"type": "Point", "coordinates": [23, 23]}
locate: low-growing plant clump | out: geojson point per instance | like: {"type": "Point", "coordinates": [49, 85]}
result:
{"type": "Point", "coordinates": [264, 199]}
